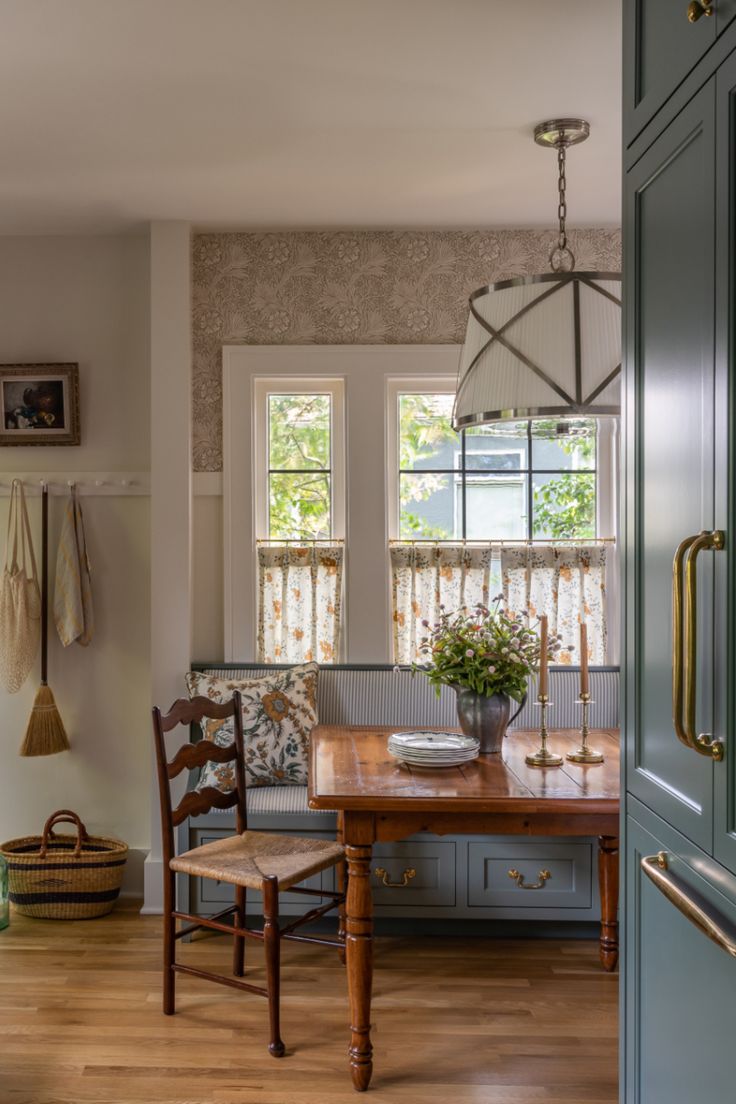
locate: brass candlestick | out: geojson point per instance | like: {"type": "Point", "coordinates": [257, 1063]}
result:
{"type": "Point", "coordinates": [584, 754]}
{"type": "Point", "coordinates": [543, 757]}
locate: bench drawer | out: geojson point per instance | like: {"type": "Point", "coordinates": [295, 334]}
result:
{"type": "Point", "coordinates": [433, 880]}
{"type": "Point", "coordinates": [547, 875]}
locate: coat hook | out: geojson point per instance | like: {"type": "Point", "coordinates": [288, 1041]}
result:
{"type": "Point", "coordinates": [99, 482]}
{"type": "Point", "coordinates": [124, 482]}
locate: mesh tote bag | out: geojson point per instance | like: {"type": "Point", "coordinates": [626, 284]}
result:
{"type": "Point", "coordinates": [20, 597]}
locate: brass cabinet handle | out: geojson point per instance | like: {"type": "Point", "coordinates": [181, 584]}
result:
{"type": "Point", "coordinates": [703, 743]}
{"type": "Point", "coordinates": [698, 8]}
{"type": "Point", "coordinates": [406, 877]}
{"type": "Point", "coordinates": [678, 639]}
{"type": "Point", "coordinates": [697, 910]}
{"type": "Point", "coordinates": [544, 876]}
{"type": "Point", "coordinates": [685, 642]}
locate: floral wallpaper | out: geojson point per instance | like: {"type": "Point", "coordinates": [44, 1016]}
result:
{"type": "Point", "coordinates": [355, 288]}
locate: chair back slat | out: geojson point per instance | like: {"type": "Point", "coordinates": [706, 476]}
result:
{"type": "Point", "coordinates": [194, 710]}
{"type": "Point", "coordinates": [196, 755]}
{"type": "Point", "coordinates": [196, 802]}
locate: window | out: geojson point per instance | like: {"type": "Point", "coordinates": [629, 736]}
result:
{"type": "Point", "coordinates": [519, 481]}
{"type": "Point", "coordinates": [299, 504]}
{"type": "Point", "coordinates": [511, 483]}
{"type": "Point", "coordinates": [287, 470]}
{"type": "Point", "coordinates": [299, 472]}
{"type": "Point", "coordinates": [299, 466]}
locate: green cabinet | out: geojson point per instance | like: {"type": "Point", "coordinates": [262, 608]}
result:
{"type": "Point", "coordinates": [680, 992]}
{"type": "Point", "coordinates": [724, 821]}
{"type": "Point", "coordinates": [661, 46]}
{"type": "Point", "coordinates": [679, 839]}
{"type": "Point", "coordinates": [670, 395]}
{"type": "Point", "coordinates": [725, 11]}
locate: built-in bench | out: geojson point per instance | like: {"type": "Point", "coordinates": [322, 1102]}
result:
{"type": "Point", "coordinates": [456, 876]}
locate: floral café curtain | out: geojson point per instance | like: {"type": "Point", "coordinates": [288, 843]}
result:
{"type": "Point", "coordinates": [568, 583]}
{"type": "Point", "coordinates": [299, 602]}
{"type": "Point", "coordinates": [425, 577]}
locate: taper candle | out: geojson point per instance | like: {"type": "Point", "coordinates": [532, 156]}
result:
{"type": "Point", "coordinates": [584, 681]}
{"type": "Point", "coordinates": [543, 677]}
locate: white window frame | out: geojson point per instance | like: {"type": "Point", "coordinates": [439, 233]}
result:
{"type": "Point", "coordinates": [372, 376]}
{"type": "Point", "coordinates": [263, 388]}
{"type": "Point", "coordinates": [366, 631]}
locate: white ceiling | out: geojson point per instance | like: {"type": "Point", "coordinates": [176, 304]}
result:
{"type": "Point", "coordinates": [303, 113]}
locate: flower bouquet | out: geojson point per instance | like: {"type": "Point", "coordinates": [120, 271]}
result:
{"type": "Point", "coordinates": [486, 656]}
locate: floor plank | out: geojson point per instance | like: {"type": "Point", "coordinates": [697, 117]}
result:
{"type": "Point", "coordinates": [475, 1021]}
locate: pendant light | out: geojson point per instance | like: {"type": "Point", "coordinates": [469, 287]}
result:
{"type": "Point", "coordinates": [546, 346]}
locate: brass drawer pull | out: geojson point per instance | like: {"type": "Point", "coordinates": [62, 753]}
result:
{"type": "Point", "coordinates": [694, 907]}
{"type": "Point", "coordinates": [406, 877]}
{"type": "Point", "coordinates": [698, 8]}
{"type": "Point", "coordinates": [544, 876]}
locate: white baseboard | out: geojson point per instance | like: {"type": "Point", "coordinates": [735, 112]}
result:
{"type": "Point", "coordinates": [133, 874]}
{"type": "Point", "coordinates": [153, 888]}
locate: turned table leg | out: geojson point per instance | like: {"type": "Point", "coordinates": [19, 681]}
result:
{"type": "Point", "coordinates": [341, 882]}
{"type": "Point", "coordinates": [359, 955]}
{"type": "Point", "coordinates": [608, 879]}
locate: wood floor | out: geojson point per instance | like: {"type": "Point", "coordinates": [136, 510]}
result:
{"type": "Point", "coordinates": [457, 1020]}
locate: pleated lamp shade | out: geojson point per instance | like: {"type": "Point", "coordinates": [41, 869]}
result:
{"type": "Point", "coordinates": [544, 346]}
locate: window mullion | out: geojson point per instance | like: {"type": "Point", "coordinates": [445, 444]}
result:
{"type": "Point", "coordinates": [529, 484]}
{"type": "Point", "coordinates": [463, 487]}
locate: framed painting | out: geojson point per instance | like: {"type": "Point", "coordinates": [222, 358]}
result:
{"type": "Point", "coordinates": [39, 404]}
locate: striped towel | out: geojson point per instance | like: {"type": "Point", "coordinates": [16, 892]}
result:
{"type": "Point", "coordinates": [73, 610]}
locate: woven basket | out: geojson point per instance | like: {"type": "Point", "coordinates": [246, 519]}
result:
{"type": "Point", "coordinates": [63, 878]}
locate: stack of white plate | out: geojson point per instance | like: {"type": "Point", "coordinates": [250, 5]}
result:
{"type": "Point", "coordinates": [433, 749]}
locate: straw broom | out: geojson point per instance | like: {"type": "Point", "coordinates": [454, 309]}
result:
{"type": "Point", "coordinates": [45, 734]}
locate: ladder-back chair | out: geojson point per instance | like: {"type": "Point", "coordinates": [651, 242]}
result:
{"type": "Point", "coordinates": [262, 861]}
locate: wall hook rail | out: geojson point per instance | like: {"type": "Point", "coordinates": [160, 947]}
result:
{"type": "Point", "coordinates": [86, 483]}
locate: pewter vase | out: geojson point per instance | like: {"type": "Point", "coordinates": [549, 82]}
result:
{"type": "Point", "coordinates": [486, 718]}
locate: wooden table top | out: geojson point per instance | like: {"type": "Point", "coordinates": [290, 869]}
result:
{"type": "Point", "coordinates": [350, 769]}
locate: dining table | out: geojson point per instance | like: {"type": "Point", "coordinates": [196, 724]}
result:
{"type": "Point", "coordinates": [379, 798]}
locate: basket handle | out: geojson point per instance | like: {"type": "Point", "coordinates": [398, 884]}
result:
{"type": "Point", "coordinates": [65, 815]}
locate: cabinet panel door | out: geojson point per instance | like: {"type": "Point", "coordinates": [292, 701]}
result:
{"type": "Point", "coordinates": [725, 440]}
{"type": "Point", "coordinates": [725, 11]}
{"type": "Point", "coordinates": [669, 235]}
{"type": "Point", "coordinates": [680, 988]}
{"type": "Point", "coordinates": [660, 48]}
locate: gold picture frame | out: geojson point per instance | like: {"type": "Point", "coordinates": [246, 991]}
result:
{"type": "Point", "coordinates": [39, 404]}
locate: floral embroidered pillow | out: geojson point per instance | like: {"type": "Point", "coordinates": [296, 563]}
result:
{"type": "Point", "coordinates": [279, 713]}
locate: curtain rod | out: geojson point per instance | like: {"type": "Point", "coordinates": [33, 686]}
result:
{"type": "Point", "coordinates": [299, 540]}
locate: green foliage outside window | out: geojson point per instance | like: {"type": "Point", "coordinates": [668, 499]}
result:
{"type": "Point", "coordinates": [424, 427]}
{"type": "Point", "coordinates": [300, 479]}
{"type": "Point", "coordinates": [299, 467]}
{"type": "Point", "coordinates": [564, 507]}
